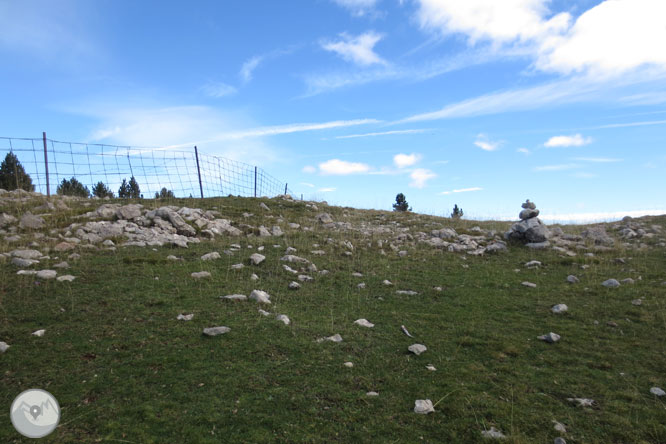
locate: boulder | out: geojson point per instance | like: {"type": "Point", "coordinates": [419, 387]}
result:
{"type": "Point", "coordinates": [29, 221]}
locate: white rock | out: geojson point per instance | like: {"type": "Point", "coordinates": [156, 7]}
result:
{"type": "Point", "coordinates": [404, 330]}
{"type": "Point", "coordinates": [582, 402]}
{"type": "Point", "coordinates": [237, 266]}
{"type": "Point", "coordinates": [611, 283]}
{"type": "Point", "coordinates": [66, 278]}
{"type": "Point", "coordinates": [357, 274]}
{"type": "Point", "coordinates": [417, 349]}
{"type": "Point", "coordinates": [431, 367]}
{"type": "Point", "coordinates": [372, 394]}
{"type": "Point", "coordinates": [4, 346]}
{"type": "Point", "coordinates": [290, 250]}
{"type": "Point", "coordinates": [260, 296]}
{"type": "Point", "coordinates": [559, 440]}
{"type": "Point", "coordinates": [559, 308]}
{"type": "Point", "coordinates": [559, 427]}
{"type": "Point", "coordinates": [493, 433]}
{"type": "Point", "coordinates": [289, 269]}
{"type": "Point", "coordinates": [364, 323]}
{"type": "Point", "coordinates": [533, 264]}
{"type": "Point", "coordinates": [46, 274]}
{"type": "Point", "coordinates": [234, 297]}
{"type": "Point", "coordinates": [572, 279]}
{"type": "Point", "coordinates": [187, 317]}
{"type": "Point", "coordinates": [254, 277]}
{"type": "Point", "coordinates": [294, 285]}
{"type": "Point", "coordinates": [437, 288]}
{"type": "Point", "coordinates": [550, 337]}
{"type": "Point", "coordinates": [264, 312]}
{"type": "Point", "coordinates": [26, 254]}
{"type": "Point", "coordinates": [361, 285]}
{"type": "Point", "coordinates": [637, 302]}
{"type": "Point", "coordinates": [257, 258]}
{"type": "Point", "coordinates": [39, 333]}
{"type": "Point", "coordinates": [657, 391]}
{"type": "Point", "coordinates": [423, 406]}
{"type": "Point", "coordinates": [26, 272]}
{"type": "Point", "coordinates": [200, 274]}
{"type": "Point", "coordinates": [260, 248]}
{"type": "Point", "coordinates": [305, 278]}
{"type": "Point", "coordinates": [387, 282]}
{"type": "Point", "coordinates": [528, 284]}
{"type": "Point", "coordinates": [335, 338]}
{"type": "Point", "coordinates": [407, 292]}
{"type": "Point", "coordinates": [214, 331]}
{"type": "Point", "coordinates": [346, 364]}
{"type": "Point", "coordinates": [211, 256]}
{"type": "Point", "coordinates": [283, 318]}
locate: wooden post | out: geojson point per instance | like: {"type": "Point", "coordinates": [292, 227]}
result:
{"type": "Point", "coordinates": [255, 181]}
{"type": "Point", "coordinates": [46, 165]}
{"type": "Point", "coordinates": [196, 155]}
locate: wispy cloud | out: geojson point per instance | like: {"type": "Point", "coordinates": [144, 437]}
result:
{"type": "Point", "coordinates": [384, 133]}
{"type": "Point", "coordinates": [420, 176]}
{"type": "Point", "coordinates": [485, 144]}
{"type": "Point", "coordinates": [359, 49]}
{"type": "Point", "coordinates": [598, 159]}
{"type": "Point", "coordinates": [560, 167]}
{"type": "Point", "coordinates": [462, 190]}
{"type": "Point", "coordinates": [292, 128]}
{"type": "Point", "coordinates": [567, 141]}
{"type": "Point", "coordinates": [358, 8]}
{"type": "Point", "coordinates": [630, 124]}
{"type": "Point", "coordinates": [248, 68]}
{"type": "Point", "coordinates": [405, 160]}
{"type": "Point", "coordinates": [523, 151]}
{"type": "Point", "coordinates": [306, 184]}
{"type": "Point", "coordinates": [218, 89]}
{"type": "Point", "coordinates": [342, 167]}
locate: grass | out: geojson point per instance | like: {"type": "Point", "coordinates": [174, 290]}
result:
{"type": "Point", "coordinates": [124, 370]}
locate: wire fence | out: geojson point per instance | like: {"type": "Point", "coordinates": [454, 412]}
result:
{"type": "Point", "coordinates": [185, 173]}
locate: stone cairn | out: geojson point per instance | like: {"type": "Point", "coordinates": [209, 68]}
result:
{"type": "Point", "coordinates": [530, 229]}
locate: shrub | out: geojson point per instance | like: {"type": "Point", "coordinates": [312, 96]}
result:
{"type": "Point", "coordinates": [72, 187]}
{"type": "Point", "coordinates": [100, 190]}
{"type": "Point", "coordinates": [457, 212]}
{"type": "Point", "coordinates": [164, 194]}
{"type": "Point", "coordinates": [401, 203]}
{"type": "Point", "coordinates": [13, 176]}
{"type": "Point", "coordinates": [129, 190]}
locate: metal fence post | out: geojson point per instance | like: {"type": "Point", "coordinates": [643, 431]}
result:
{"type": "Point", "coordinates": [255, 181]}
{"type": "Point", "coordinates": [46, 165]}
{"type": "Point", "coordinates": [285, 188]}
{"type": "Point", "coordinates": [196, 155]}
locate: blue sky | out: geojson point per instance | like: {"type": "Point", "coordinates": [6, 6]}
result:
{"type": "Point", "coordinates": [478, 103]}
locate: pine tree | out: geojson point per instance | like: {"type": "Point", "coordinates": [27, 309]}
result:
{"type": "Point", "coordinates": [401, 203]}
{"type": "Point", "coordinates": [134, 190]}
{"type": "Point", "coordinates": [13, 176]}
{"type": "Point", "coordinates": [72, 187]}
{"type": "Point", "coordinates": [100, 190]}
{"type": "Point", "coordinates": [123, 191]}
{"type": "Point", "coordinates": [164, 194]}
{"type": "Point", "coordinates": [457, 212]}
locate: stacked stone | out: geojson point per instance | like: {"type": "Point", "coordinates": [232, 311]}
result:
{"type": "Point", "coordinates": [530, 229]}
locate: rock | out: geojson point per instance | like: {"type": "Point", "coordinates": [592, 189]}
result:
{"type": "Point", "coordinates": [538, 245]}
{"type": "Point", "coordinates": [283, 318]}
{"type": "Point", "coordinates": [26, 254]}
{"type": "Point", "coordinates": [431, 367]}
{"type": "Point", "coordinates": [31, 222]}
{"type": "Point", "coordinates": [276, 231]}
{"type": "Point", "coordinates": [496, 247]}
{"type": "Point", "coordinates": [404, 330]}
{"type": "Point", "coordinates": [637, 302]}
{"type": "Point", "coordinates": [335, 338]}
{"type": "Point", "coordinates": [294, 285]}
{"type": "Point", "coordinates": [611, 324]}
{"type": "Point", "coordinates": [582, 402]}
{"type": "Point", "coordinates": [39, 333]}
{"type": "Point", "coordinates": [46, 274]}
{"type": "Point", "coordinates": [237, 266]}
{"type": "Point", "coordinates": [423, 406]}
{"type": "Point", "coordinates": [387, 282]}
{"type": "Point", "coordinates": [550, 337]}
{"type": "Point", "coordinates": [254, 277]}
{"type": "Point", "coordinates": [66, 278]}
{"type": "Point", "coordinates": [559, 427]}
{"type": "Point", "coordinates": [23, 263]}
{"type": "Point", "coordinates": [528, 284]}
{"type": "Point", "coordinates": [182, 227]}
{"type": "Point", "coordinates": [263, 312]}
{"type": "Point", "coordinates": [187, 317]}
{"type": "Point", "coordinates": [234, 297]}
{"type": "Point", "coordinates": [305, 278]}
{"type": "Point", "coordinates": [361, 285]}
{"type": "Point", "coordinates": [531, 264]}
{"type": "Point", "coordinates": [407, 292]}
{"type": "Point", "coordinates": [263, 206]}
{"type": "Point", "coordinates": [200, 274]}
{"type": "Point", "coordinates": [572, 279]}
{"type": "Point", "coordinates": [4, 346]}
{"type": "Point", "coordinates": [610, 283]}
{"type": "Point", "coordinates": [346, 364]}
{"type": "Point", "coordinates": [627, 281]}
{"type": "Point", "coordinates": [290, 250]}
{"type": "Point", "coordinates": [129, 212]}
{"type": "Point", "coordinates": [657, 391]}
{"type": "Point", "coordinates": [263, 232]}
{"type": "Point", "coordinates": [597, 235]}
{"type": "Point", "coordinates": [294, 259]}
{"type": "Point", "coordinates": [528, 213]}
{"type": "Point", "coordinates": [171, 257]}
{"type": "Point", "coordinates": [324, 218]}
{"type": "Point", "coordinates": [528, 205]}
{"type": "Point", "coordinates": [559, 440]}
{"type": "Point", "coordinates": [417, 349]}
{"type": "Point", "coordinates": [64, 246]}
{"type": "Point", "coordinates": [26, 272]}
{"type": "Point", "coordinates": [493, 433]}
{"type": "Point", "coordinates": [260, 296]}
{"type": "Point", "coordinates": [215, 331]}
{"type": "Point", "coordinates": [257, 258]}
{"type": "Point", "coordinates": [372, 394]}
{"type": "Point", "coordinates": [364, 323]}
{"type": "Point", "coordinates": [6, 219]}
{"type": "Point", "coordinates": [559, 308]}
{"type": "Point", "coordinates": [211, 256]}
{"type": "Point", "coordinates": [357, 274]}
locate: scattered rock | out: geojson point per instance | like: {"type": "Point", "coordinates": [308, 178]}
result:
{"type": "Point", "coordinates": [372, 394]}
{"type": "Point", "coordinates": [528, 284]}
{"type": "Point", "coordinates": [559, 427]}
{"type": "Point", "coordinates": [305, 278]}
{"type": "Point", "coordinates": [335, 338]}
{"type": "Point", "coordinates": [417, 349]}
{"type": "Point", "coordinates": [598, 236]}
{"type": "Point", "coordinates": [407, 292]}
{"type": "Point", "coordinates": [324, 218]}
{"type": "Point", "coordinates": [264, 312]}
{"type": "Point", "coordinates": [423, 406]}
{"type": "Point", "coordinates": [187, 317]}
{"type": "Point", "coordinates": [260, 296]}
{"type": "Point", "coordinates": [237, 266]}
{"type": "Point", "coordinates": [612, 324]}
{"type": "Point", "coordinates": [62, 264]}
{"type": "Point", "coordinates": [572, 279]}
{"type": "Point", "coordinates": [263, 206]}
{"type": "Point", "coordinates": [23, 263]}
{"type": "Point", "coordinates": [46, 274]}
{"type": "Point", "coordinates": [361, 285]}
{"type": "Point", "coordinates": [294, 285]}
{"type": "Point", "coordinates": [582, 402]}
{"type": "Point", "coordinates": [128, 212]}
{"type": "Point", "coordinates": [493, 433]}
{"type": "Point", "coordinates": [610, 283]}
{"type": "Point", "coordinates": [637, 302]}
{"type": "Point", "coordinates": [254, 277]}
{"type": "Point", "coordinates": [627, 281]}
{"type": "Point", "coordinates": [533, 264]}
{"type": "Point", "coordinates": [559, 440]}
{"type": "Point", "coordinates": [550, 337]}
{"type": "Point", "coordinates": [26, 254]}
{"type": "Point", "coordinates": [404, 330]}
{"type": "Point", "coordinates": [431, 367]}
{"type": "Point", "coordinates": [211, 256]}
{"type": "Point", "coordinates": [200, 274]}
{"type": "Point", "coordinates": [364, 323]}
{"type": "Point", "coordinates": [657, 391]}
{"type": "Point", "coordinates": [346, 364]}
{"type": "Point", "coordinates": [66, 278]}
{"type": "Point", "coordinates": [215, 331]}
{"type": "Point", "coordinates": [39, 333]}
{"type": "Point", "coordinates": [559, 308]}
{"type": "Point", "coordinates": [64, 246]}
{"type": "Point", "coordinates": [387, 282]}
{"type": "Point", "coordinates": [283, 318]}
{"type": "Point", "coordinates": [4, 346]}
{"type": "Point", "coordinates": [31, 222]}
{"type": "Point", "coordinates": [257, 258]}
{"type": "Point", "coordinates": [234, 297]}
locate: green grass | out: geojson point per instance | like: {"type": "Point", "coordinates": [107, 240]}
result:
{"type": "Point", "coordinates": [124, 370]}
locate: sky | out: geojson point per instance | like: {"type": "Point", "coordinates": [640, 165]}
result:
{"type": "Point", "coordinates": [480, 103]}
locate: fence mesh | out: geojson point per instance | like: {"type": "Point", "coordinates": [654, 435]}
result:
{"type": "Point", "coordinates": [153, 169]}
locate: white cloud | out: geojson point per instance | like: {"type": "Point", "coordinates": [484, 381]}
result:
{"type": "Point", "coordinates": [561, 167]}
{"type": "Point", "coordinates": [420, 176]}
{"type": "Point", "coordinates": [523, 150]}
{"type": "Point", "coordinates": [462, 190]}
{"type": "Point", "coordinates": [485, 144]}
{"type": "Point", "coordinates": [599, 216]}
{"type": "Point", "coordinates": [292, 128]}
{"type": "Point", "coordinates": [326, 190]}
{"type": "Point", "coordinates": [218, 89]}
{"type": "Point", "coordinates": [405, 160]}
{"type": "Point", "coordinates": [566, 141]}
{"type": "Point", "coordinates": [597, 159]}
{"type": "Point", "coordinates": [309, 169]}
{"type": "Point", "coordinates": [342, 167]}
{"type": "Point", "coordinates": [358, 49]}
{"type": "Point", "coordinates": [306, 184]}
{"type": "Point", "coordinates": [248, 68]}
{"type": "Point", "coordinates": [384, 133]}
{"type": "Point", "coordinates": [358, 8]}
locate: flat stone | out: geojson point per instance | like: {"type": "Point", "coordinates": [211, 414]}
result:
{"type": "Point", "coordinates": [263, 312]}
{"type": "Point", "coordinates": [532, 264]}
{"type": "Point", "coordinates": [257, 258]}
{"type": "Point", "coordinates": [364, 323]}
{"type": "Point", "coordinates": [407, 292]}
{"type": "Point", "coordinates": [66, 278]}
{"type": "Point", "coordinates": [335, 338]}
{"type": "Point", "coordinates": [237, 266]}
{"type": "Point", "coordinates": [260, 296]}
{"type": "Point", "coordinates": [171, 257]}
{"type": "Point", "coordinates": [387, 282]}
{"type": "Point", "coordinates": [26, 254]}
{"type": "Point", "coordinates": [372, 394]}
{"type": "Point", "coordinates": [200, 274]}
{"type": "Point", "coordinates": [324, 218]}
{"type": "Point", "coordinates": [528, 284]}
{"type": "Point", "coordinates": [39, 333]}
{"type": "Point", "coordinates": [254, 277]}
{"type": "Point", "coordinates": [187, 317]}
{"type": "Point", "coordinates": [528, 213]}
{"type": "Point", "coordinates": [215, 331]}
{"type": "Point", "coordinates": [610, 283]}
{"type": "Point", "coordinates": [305, 278]}
{"type": "Point", "coordinates": [4, 347]}
{"type": "Point", "coordinates": [294, 259]}
{"type": "Point", "coordinates": [46, 274]}
{"type": "Point", "coordinates": [572, 279]}
{"type": "Point", "coordinates": [294, 285]}
{"type": "Point", "coordinates": [627, 281]}
{"type": "Point", "coordinates": [417, 349]}
{"type": "Point", "coordinates": [559, 427]}
{"type": "Point", "coordinates": [283, 318]}
{"type": "Point", "coordinates": [423, 406]}
{"type": "Point", "coordinates": [26, 272]}
{"type": "Point", "coordinates": [493, 433]}
{"type": "Point", "coordinates": [559, 308]}
{"type": "Point", "coordinates": [559, 440]}
{"type": "Point", "coordinates": [64, 246]}
{"type": "Point", "coordinates": [211, 256]}
{"type": "Point", "coordinates": [431, 367]}
{"type": "Point", "coordinates": [657, 391]}
{"type": "Point", "coordinates": [28, 220]}
{"type": "Point", "coordinates": [346, 364]}
{"type": "Point", "coordinates": [23, 263]}
{"type": "Point", "coordinates": [549, 338]}
{"type": "Point", "coordinates": [234, 297]}
{"type": "Point", "coordinates": [582, 402]}
{"type": "Point", "coordinates": [637, 302]}
{"type": "Point", "coordinates": [538, 245]}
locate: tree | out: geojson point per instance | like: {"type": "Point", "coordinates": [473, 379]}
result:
{"type": "Point", "coordinates": [457, 212]}
{"type": "Point", "coordinates": [13, 176]}
{"type": "Point", "coordinates": [100, 190]}
{"type": "Point", "coordinates": [401, 203]}
{"type": "Point", "coordinates": [134, 190]}
{"type": "Point", "coordinates": [164, 194]}
{"type": "Point", "coordinates": [123, 191]}
{"type": "Point", "coordinates": [72, 187]}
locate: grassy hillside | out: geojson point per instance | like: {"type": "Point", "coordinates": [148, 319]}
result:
{"type": "Point", "coordinates": [125, 370]}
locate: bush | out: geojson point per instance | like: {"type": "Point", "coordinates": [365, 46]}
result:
{"type": "Point", "coordinates": [100, 190]}
{"type": "Point", "coordinates": [13, 176]}
{"type": "Point", "coordinates": [129, 190]}
{"type": "Point", "coordinates": [457, 212]}
{"type": "Point", "coordinates": [165, 194]}
{"type": "Point", "coordinates": [401, 203]}
{"type": "Point", "coordinates": [72, 187]}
